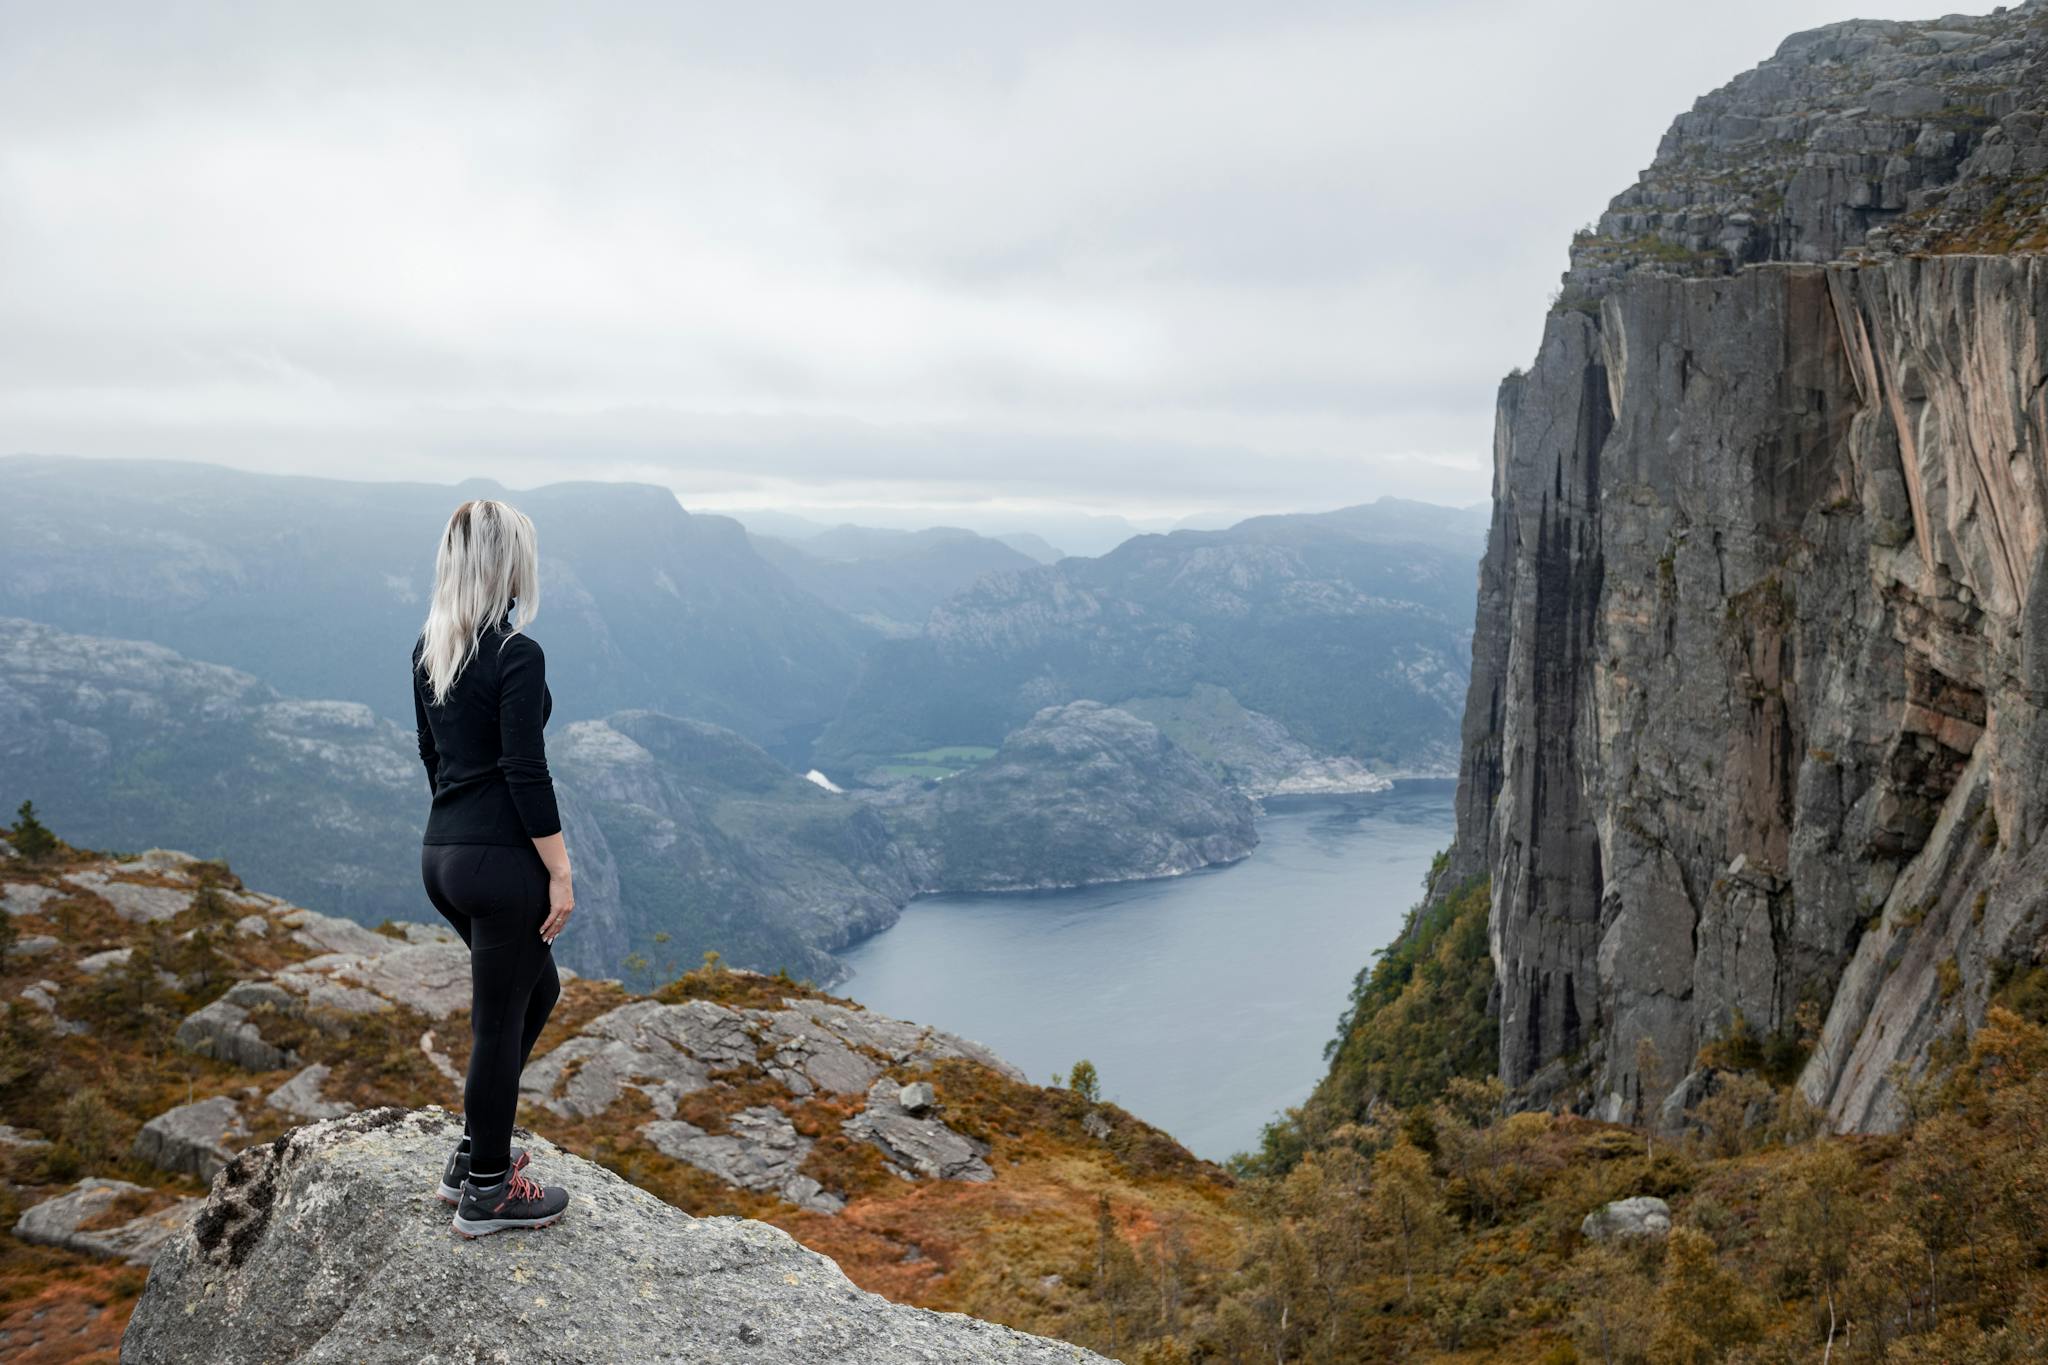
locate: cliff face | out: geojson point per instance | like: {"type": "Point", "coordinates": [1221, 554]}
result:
{"type": "Point", "coordinates": [1759, 659]}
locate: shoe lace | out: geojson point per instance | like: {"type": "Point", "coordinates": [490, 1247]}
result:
{"type": "Point", "coordinates": [520, 1185]}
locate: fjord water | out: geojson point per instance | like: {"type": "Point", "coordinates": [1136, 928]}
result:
{"type": "Point", "coordinates": [1205, 1000]}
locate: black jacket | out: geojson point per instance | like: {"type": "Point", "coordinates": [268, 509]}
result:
{"type": "Point", "coordinates": [487, 764]}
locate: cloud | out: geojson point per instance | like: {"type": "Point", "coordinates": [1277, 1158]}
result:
{"type": "Point", "coordinates": [1144, 257]}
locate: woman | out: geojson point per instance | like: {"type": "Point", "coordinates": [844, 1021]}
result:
{"type": "Point", "coordinates": [493, 859]}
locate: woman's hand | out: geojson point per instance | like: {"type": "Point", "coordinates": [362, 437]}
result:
{"type": "Point", "coordinates": [561, 891]}
{"type": "Point", "coordinates": [561, 904]}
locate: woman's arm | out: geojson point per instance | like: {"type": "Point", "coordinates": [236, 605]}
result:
{"type": "Point", "coordinates": [522, 757]}
{"type": "Point", "coordinates": [429, 755]}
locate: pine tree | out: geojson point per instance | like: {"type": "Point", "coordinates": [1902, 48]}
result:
{"type": "Point", "coordinates": [32, 839]}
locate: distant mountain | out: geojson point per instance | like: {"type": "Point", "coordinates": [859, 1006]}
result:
{"type": "Point", "coordinates": [1037, 547]}
{"type": "Point", "coordinates": [1074, 532]}
{"type": "Point", "coordinates": [686, 836]}
{"type": "Point", "coordinates": [1351, 629]}
{"type": "Point", "coordinates": [317, 586]}
{"type": "Point", "coordinates": [889, 580]}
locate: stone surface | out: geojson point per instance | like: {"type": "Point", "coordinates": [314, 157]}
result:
{"type": "Point", "coordinates": [327, 1247]}
{"type": "Point", "coordinates": [138, 1241]}
{"type": "Point", "coordinates": [1642, 1216]}
{"type": "Point", "coordinates": [43, 995]}
{"type": "Point", "coordinates": [225, 1031]}
{"type": "Point", "coordinates": [28, 898]}
{"type": "Point", "coordinates": [193, 1139]}
{"type": "Point", "coordinates": [94, 963]}
{"type": "Point", "coordinates": [136, 901]}
{"type": "Point", "coordinates": [1755, 723]}
{"type": "Point", "coordinates": [760, 1150]}
{"type": "Point", "coordinates": [330, 934]}
{"type": "Point", "coordinates": [663, 1051]}
{"type": "Point", "coordinates": [301, 1095]}
{"type": "Point", "coordinates": [668, 1051]}
{"type": "Point", "coordinates": [921, 1144]}
{"type": "Point", "coordinates": [33, 945]}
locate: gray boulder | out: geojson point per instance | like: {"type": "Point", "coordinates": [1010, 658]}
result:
{"type": "Point", "coordinates": [329, 1247]}
{"type": "Point", "coordinates": [667, 1051]}
{"type": "Point", "coordinates": [918, 1144]}
{"type": "Point", "coordinates": [27, 898]}
{"type": "Point", "coordinates": [812, 1035]}
{"type": "Point", "coordinates": [224, 1030]}
{"type": "Point", "coordinates": [43, 995]}
{"type": "Point", "coordinates": [168, 861]}
{"type": "Point", "coordinates": [1642, 1216]}
{"type": "Point", "coordinates": [92, 964]}
{"type": "Point", "coordinates": [760, 1150]}
{"type": "Point", "coordinates": [301, 1096]}
{"type": "Point", "coordinates": [60, 1222]}
{"type": "Point", "coordinates": [331, 934]}
{"type": "Point", "coordinates": [136, 901]}
{"type": "Point", "coordinates": [663, 1051]}
{"type": "Point", "coordinates": [193, 1139]}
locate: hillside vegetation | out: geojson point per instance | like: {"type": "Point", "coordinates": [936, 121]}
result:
{"type": "Point", "coordinates": [1432, 1228]}
{"type": "Point", "coordinates": [95, 1041]}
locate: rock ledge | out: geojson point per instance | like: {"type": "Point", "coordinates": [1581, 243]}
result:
{"type": "Point", "coordinates": [329, 1245]}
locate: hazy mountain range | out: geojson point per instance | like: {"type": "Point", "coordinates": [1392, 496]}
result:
{"type": "Point", "coordinates": [1352, 629]}
{"type": "Point", "coordinates": [210, 656]}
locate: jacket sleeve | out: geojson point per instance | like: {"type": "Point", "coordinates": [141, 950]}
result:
{"type": "Point", "coordinates": [522, 752]}
{"type": "Point", "coordinates": [429, 755]}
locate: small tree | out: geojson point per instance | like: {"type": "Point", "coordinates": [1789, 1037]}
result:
{"type": "Point", "coordinates": [32, 839]}
{"type": "Point", "coordinates": [1405, 1206]}
{"type": "Point", "coordinates": [1649, 1078]}
{"type": "Point", "coordinates": [1816, 1219]}
{"type": "Point", "coordinates": [1084, 1082]}
{"type": "Point", "coordinates": [1703, 1310]}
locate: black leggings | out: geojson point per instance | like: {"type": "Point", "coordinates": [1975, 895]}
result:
{"type": "Point", "coordinates": [496, 896]}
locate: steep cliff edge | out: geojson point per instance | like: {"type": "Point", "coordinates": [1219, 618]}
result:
{"type": "Point", "coordinates": [1754, 733]}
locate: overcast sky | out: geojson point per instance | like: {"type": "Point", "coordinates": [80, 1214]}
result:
{"type": "Point", "coordinates": [1153, 259]}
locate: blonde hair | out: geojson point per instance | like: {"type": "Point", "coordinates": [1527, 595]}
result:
{"type": "Point", "coordinates": [487, 563]}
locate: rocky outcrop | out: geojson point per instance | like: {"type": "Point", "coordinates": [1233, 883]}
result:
{"type": "Point", "coordinates": [760, 1150]}
{"type": "Point", "coordinates": [1625, 1219]}
{"type": "Point", "coordinates": [108, 1218]}
{"type": "Point", "coordinates": [193, 1139]}
{"type": "Point", "coordinates": [1085, 793]}
{"type": "Point", "coordinates": [329, 1245]}
{"type": "Point", "coordinates": [225, 1031]}
{"type": "Point", "coordinates": [666, 1052]}
{"type": "Point", "coordinates": [300, 1096]}
{"type": "Point", "coordinates": [1753, 737]}
{"type": "Point", "coordinates": [898, 1121]}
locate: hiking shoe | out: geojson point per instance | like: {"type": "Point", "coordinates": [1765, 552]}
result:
{"type": "Point", "coordinates": [517, 1201]}
{"type": "Point", "coordinates": [457, 1171]}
